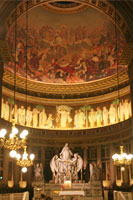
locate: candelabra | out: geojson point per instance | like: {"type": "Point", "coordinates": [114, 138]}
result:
{"type": "Point", "coordinates": [23, 161]}
{"type": "Point", "coordinates": [14, 142]}
{"type": "Point", "coordinates": [122, 159]}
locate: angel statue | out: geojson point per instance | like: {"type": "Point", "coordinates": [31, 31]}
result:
{"type": "Point", "coordinates": [95, 172]}
{"type": "Point", "coordinates": [38, 170]}
{"type": "Point", "coordinates": [66, 166]}
{"type": "Point", "coordinates": [54, 166]}
{"type": "Point", "coordinates": [77, 165]}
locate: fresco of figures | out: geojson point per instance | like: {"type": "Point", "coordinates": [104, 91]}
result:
{"type": "Point", "coordinates": [80, 48]}
{"type": "Point", "coordinates": [66, 117]}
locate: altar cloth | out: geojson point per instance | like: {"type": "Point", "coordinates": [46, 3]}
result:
{"type": "Point", "coordinates": [69, 193]}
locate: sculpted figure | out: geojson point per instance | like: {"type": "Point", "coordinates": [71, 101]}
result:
{"type": "Point", "coordinates": [15, 113]}
{"type": "Point", "coordinates": [35, 117]}
{"type": "Point", "coordinates": [38, 170]}
{"type": "Point", "coordinates": [126, 109]}
{"type": "Point", "coordinates": [66, 153]}
{"type": "Point", "coordinates": [95, 172]}
{"type": "Point", "coordinates": [121, 111]}
{"type": "Point", "coordinates": [28, 116]}
{"type": "Point", "coordinates": [92, 118]}
{"type": "Point", "coordinates": [49, 123]}
{"type": "Point", "coordinates": [98, 116]}
{"type": "Point", "coordinates": [112, 114]}
{"type": "Point", "coordinates": [76, 119]}
{"type": "Point", "coordinates": [105, 116]}
{"type": "Point", "coordinates": [6, 110]}
{"type": "Point", "coordinates": [81, 116]}
{"type": "Point", "coordinates": [21, 114]}
{"type": "Point", "coordinates": [42, 118]}
{"type": "Point", "coordinates": [66, 167]}
{"type": "Point", "coordinates": [130, 109]}
{"type": "Point", "coordinates": [2, 107]}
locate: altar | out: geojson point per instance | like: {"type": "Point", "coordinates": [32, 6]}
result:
{"type": "Point", "coordinates": [79, 191]}
{"type": "Point", "coordinates": [65, 184]}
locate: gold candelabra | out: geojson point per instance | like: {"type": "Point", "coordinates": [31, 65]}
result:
{"type": "Point", "coordinates": [23, 161]}
{"type": "Point", "coordinates": [122, 159]}
{"type": "Point", "coordinates": [14, 142]}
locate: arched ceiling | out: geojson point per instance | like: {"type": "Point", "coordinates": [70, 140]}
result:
{"type": "Point", "coordinates": [71, 46]}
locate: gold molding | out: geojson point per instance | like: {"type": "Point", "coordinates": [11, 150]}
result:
{"type": "Point", "coordinates": [73, 102]}
{"type": "Point", "coordinates": [45, 88]}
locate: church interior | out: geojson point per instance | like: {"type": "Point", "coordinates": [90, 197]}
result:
{"type": "Point", "coordinates": [66, 93]}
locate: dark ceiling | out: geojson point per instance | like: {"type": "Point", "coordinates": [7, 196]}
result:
{"type": "Point", "coordinates": [6, 6]}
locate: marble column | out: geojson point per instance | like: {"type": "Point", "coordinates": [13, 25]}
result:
{"type": "Point", "coordinates": [1, 78]}
{"type": "Point", "coordinates": [43, 156]}
{"type": "Point", "coordinates": [29, 177]}
{"type": "Point", "coordinates": [112, 167]}
{"type": "Point", "coordinates": [130, 74]}
{"type": "Point", "coordinates": [85, 159]}
{"type": "Point", "coordinates": [5, 165]}
{"type": "Point", "coordinates": [99, 162]}
{"type": "Point", "coordinates": [16, 173]}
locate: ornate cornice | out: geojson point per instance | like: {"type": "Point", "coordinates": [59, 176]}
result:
{"type": "Point", "coordinates": [73, 102]}
{"type": "Point", "coordinates": [93, 88]}
{"type": "Point", "coordinates": [80, 138]}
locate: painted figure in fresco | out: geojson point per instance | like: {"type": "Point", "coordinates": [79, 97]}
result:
{"type": "Point", "coordinates": [112, 114]}
{"type": "Point", "coordinates": [64, 118]}
{"type": "Point", "coordinates": [21, 114]}
{"type": "Point", "coordinates": [35, 117]}
{"type": "Point", "coordinates": [81, 117]}
{"type": "Point", "coordinates": [98, 116]}
{"type": "Point", "coordinates": [49, 123]}
{"type": "Point", "coordinates": [57, 120]}
{"type": "Point", "coordinates": [6, 110]}
{"type": "Point", "coordinates": [28, 116]}
{"type": "Point", "coordinates": [2, 107]}
{"type": "Point", "coordinates": [61, 41]}
{"type": "Point", "coordinates": [64, 112]}
{"type": "Point", "coordinates": [126, 109]}
{"type": "Point", "coordinates": [121, 111]}
{"type": "Point", "coordinates": [76, 119]}
{"type": "Point", "coordinates": [130, 109]}
{"type": "Point", "coordinates": [42, 118]}
{"type": "Point", "coordinates": [105, 116]}
{"type": "Point", "coordinates": [15, 113]}
{"type": "Point", "coordinates": [92, 118]}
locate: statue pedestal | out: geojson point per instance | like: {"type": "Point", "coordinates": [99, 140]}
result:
{"type": "Point", "coordinates": [38, 189]}
{"type": "Point", "coordinates": [81, 191]}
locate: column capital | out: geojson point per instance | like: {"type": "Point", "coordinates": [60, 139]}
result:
{"type": "Point", "coordinates": [84, 147]}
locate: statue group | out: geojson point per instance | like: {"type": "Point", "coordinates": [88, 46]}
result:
{"type": "Point", "coordinates": [66, 166]}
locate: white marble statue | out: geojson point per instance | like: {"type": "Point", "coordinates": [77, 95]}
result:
{"type": "Point", "coordinates": [66, 166]}
{"type": "Point", "coordinates": [95, 172]}
{"type": "Point", "coordinates": [38, 170]}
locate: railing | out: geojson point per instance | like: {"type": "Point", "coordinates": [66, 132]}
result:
{"type": "Point", "coordinates": [15, 196]}
{"type": "Point", "coordinates": [122, 195]}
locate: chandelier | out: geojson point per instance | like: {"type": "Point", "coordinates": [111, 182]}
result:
{"type": "Point", "coordinates": [14, 142]}
{"type": "Point", "coordinates": [25, 160]}
{"type": "Point", "coordinates": [122, 159]}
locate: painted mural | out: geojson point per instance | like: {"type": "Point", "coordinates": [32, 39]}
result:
{"type": "Point", "coordinates": [65, 48]}
{"type": "Point", "coordinates": [67, 117]}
